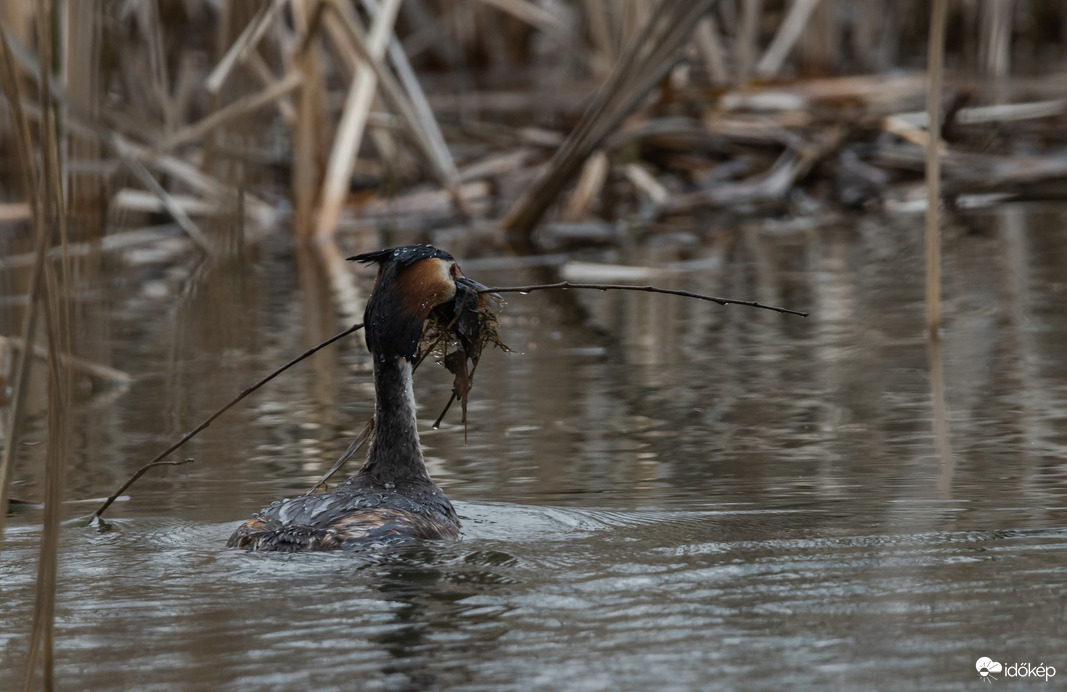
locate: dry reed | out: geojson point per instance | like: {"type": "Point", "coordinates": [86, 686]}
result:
{"type": "Point", "coordinates": [29, 184]}
{"type": "Point", "coordinates": [938, 13]}
{"type": "Point", "coordinates": [651, 52]}
{"type": "Point", "coordinates": [50, 213]}
{"type": "Point", "coordinates": [155, 138]}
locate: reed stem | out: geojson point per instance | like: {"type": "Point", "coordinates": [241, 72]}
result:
{"type": "Point", "coordinates": [935, 60]}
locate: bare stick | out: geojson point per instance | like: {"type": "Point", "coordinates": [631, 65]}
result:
{"type": "Point", "coordinates": [130, 481]}
{"type": "Point", "coordinates": [646, 289]}
{"type": "Point", "coordinates": [207, 421]}
{"type": "Point", "coordinates": [437, 423]}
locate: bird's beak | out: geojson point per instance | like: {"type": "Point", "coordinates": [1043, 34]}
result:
{"type": "Point", "coordinates": [471, 286]}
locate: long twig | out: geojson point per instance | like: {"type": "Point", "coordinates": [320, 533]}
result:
{"type": "Point", "coordinates": [140, 472]}
{"type": "Point", "coordinates": [207, 421]}
{"type": "Point", "coordinates": [646, 289]}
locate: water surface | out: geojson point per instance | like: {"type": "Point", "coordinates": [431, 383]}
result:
{"type": "Point", "coordinates": [655, 493]}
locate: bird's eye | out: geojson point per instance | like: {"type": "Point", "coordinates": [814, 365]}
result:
{"type": "Point", "coordinates": [453, 271]}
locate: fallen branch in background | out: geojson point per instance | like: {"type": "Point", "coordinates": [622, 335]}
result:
{"type": "Point", "coordinates": [81, 365]}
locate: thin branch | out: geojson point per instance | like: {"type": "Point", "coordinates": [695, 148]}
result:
{"type": "Point", "coordinates": [130, 481]}
{"type": "Point", "coordinates": [646, 289]}
{"type": "Point", "coordinates": [207, 421]}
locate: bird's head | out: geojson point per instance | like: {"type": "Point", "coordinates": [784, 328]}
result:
{"type": "Point", "coordinates": [412, 281]}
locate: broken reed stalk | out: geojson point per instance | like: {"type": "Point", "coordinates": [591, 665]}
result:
{"type": "Point", "coordinates": [939, 419]}
{"type": "Point", "coordinates": [245, 43]}
{"type": "Point", "coordinates": [80, 365]}
{"type": "Point", "coordinates": [393, 92]}
{"type": "Point", "coordinates": [42, 201]}
{"type": "Point", "coordinates": [790, 30]}
{"type": "Point", "coordinates": [650, 54]}
{"type": "Point", "coordinates": [349, 135]}
{"type": "Point", "coordinates": [158, 460]}
{"type": "Point", "coordinates": [935, 59]}
{"type": "Point", "coordinates": [646, 289]}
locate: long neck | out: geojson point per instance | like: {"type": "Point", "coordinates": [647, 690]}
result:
{"type": "Point", "coordinates": [395, 452]}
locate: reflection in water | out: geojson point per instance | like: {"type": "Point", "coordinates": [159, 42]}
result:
{"type": "Point", "coordinates": [659, 494]}
{"type": "Point", "coordinates": [427, 597]}
{"type": "Point", "coordinates": [939, 413]}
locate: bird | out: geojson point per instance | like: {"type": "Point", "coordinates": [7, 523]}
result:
{"type": "Point", "coordinates": [392, 497]}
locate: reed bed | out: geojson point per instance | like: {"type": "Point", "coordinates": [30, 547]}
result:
{"type": "Point", "coordinates": [536, 126]}
{"type": "Point", "coordinates": [520, 112]}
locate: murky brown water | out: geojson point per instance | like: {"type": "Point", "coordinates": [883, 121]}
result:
{"type": "Point", "coordinates": [657, 493]}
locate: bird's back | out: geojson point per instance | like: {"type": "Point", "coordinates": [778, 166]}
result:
{"type": "Point", "coordinates": [357, 512]}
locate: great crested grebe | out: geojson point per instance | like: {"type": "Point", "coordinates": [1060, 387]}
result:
{"type": "Point", "coordinates": [392, 497]}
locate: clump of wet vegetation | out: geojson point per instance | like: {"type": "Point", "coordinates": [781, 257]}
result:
{"type": "Point", "coordinates": [197, 130]}
{"type": "Point", "coordinates": [455, 335]}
